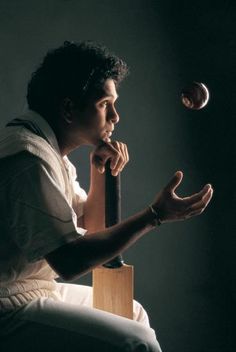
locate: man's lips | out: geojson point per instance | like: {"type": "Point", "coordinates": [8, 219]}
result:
{"type": "Point", "coordinates": [109, 133]}
{"type": "Point", "coordinates": [107, 136]}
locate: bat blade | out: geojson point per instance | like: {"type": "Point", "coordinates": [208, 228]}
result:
{"type": "Point", "coordinates": [113, 290]}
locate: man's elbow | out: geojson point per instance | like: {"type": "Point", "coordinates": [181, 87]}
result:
{"type": "Point", "coordinates": [68, 266]}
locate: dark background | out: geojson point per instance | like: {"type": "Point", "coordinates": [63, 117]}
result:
{"type": "Point", "coordinates": [184, 272]}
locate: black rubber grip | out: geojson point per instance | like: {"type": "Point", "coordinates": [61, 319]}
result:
{"type": "Point", "coordinates": [112, 208]}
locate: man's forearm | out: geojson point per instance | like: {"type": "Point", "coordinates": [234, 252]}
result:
{"type": "Point", "coordinates": [93, 249]}
{"type": "Point", "coordinates": [94, 208]}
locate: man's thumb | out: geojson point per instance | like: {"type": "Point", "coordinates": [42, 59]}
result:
{"type": "Point", "coordinates": [175, 181]}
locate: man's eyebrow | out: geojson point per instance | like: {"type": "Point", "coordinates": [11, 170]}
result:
{"type": "Point", "coordinates": [110, 95]}
{"type": "Point", "coordinates": [105, 95]}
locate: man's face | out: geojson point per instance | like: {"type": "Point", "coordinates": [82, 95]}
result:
{"type": "Point", "coordinates": [97, 121]}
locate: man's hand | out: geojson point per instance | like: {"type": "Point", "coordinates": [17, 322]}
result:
{"type": "Point", "coordinates": [117, 152]}
{"type": "Point", "coordinates": [170, 207]}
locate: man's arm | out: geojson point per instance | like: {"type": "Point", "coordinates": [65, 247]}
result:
{"type": "Point", "coordinates": [94, 207]}
{"type": "Point", "coordinates": [93, 249]}
{"type": "Point", "coordinates": [83, 255]}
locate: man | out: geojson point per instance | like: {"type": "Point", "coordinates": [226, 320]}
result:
{"type": "Point", "coordinates": [51, 227]}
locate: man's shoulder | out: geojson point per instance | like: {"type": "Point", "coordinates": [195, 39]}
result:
{"type": "Point", "coordinates": [22, 159]}
{"type": "Point", "coordinates": [16, 164]}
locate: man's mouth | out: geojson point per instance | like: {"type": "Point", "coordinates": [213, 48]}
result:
{"type": "Point", "coordinates": [107, 136]}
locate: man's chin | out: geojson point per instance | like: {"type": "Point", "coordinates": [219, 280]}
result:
{"type": "Point", "coordinates": [107, 140]}
{"type": "Point", "coordinates": [102, 141]}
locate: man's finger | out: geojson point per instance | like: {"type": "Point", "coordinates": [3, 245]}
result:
{"type": "Point", "coordinates": [100, 163]}
{"type": "Point", "coordinates": [174, 182]}
{"type": "Point", "coordinates": [116, 156]}
{"type": "Point", "coordinates": [197, 196]}
{"type": "Point", "coordinates": [106, 148]}
{"type": "Point", "coordinates": [119, 165]}
{"type": "Point", "coordinates": [101, 155]}
{"type": "Point", "coordinates": [120, 162]}
{"type": "Point", "coordinates": [194, 213]}
{"type": "Point", "coordinates": [202, 204]}
{"type": "Point", "coordinates": [126, 153]}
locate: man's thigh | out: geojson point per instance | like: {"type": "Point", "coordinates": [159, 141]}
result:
{"type": "Point", "coordinates": [38, 337]}
{"type": "Point", "coordinates": [83, 295]}
{"type": "Point", "coordinates": [46, 325]}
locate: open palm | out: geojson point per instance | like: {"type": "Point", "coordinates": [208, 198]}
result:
{"type": "Point", "coordinates": [170, 207]}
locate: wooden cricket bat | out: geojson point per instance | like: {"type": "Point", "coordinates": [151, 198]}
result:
{"type": "Point", "coordinates": [113, 282]}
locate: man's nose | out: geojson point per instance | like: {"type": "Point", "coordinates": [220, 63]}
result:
{"type": "Point", "coordinates": [114, 116]}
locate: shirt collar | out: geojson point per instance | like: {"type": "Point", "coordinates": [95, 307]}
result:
{"type": "Point", "coordinates": [44, 126]}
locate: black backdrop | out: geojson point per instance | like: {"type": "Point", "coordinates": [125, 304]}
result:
{"type": "Point", "coordinates": [185, 272]}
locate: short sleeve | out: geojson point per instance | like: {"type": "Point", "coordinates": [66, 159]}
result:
{"type": "Point", "coordinates": [40, 217]}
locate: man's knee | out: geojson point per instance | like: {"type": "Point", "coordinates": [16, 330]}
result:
{"type": "Point", "coordinates": [140, 314]}
{"type": "Point", "coordinates": [142, 339]}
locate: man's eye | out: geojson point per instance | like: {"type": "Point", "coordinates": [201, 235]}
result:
{"type": "Point", "coordinates": [104, 103]}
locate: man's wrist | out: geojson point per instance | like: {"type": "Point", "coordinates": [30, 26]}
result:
{"type": "Point", "coordinates": [156, 217]}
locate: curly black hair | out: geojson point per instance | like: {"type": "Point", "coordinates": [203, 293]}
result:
{"type": "Point", "coordinates": [73, 70]}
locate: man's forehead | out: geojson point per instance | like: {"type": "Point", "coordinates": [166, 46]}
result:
{"type": "Point", "coordinates": [108, 89]}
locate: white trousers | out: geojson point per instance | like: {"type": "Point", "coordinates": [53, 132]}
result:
{"type": "Point", "coordinates": [72, 325]}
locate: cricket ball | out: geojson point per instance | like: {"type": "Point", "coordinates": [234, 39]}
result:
{"type": "Point", "coordinates": [195, 96]}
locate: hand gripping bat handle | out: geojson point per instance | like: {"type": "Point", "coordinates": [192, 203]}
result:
{"type": "Point", "coordinates": [112, 208]}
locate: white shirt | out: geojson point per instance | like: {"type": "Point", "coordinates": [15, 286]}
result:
{"type": "Point", "coordinates": [38, 213]}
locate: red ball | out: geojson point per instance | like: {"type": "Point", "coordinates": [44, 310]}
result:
{"type": "Point", "coordinates": [195, 96]}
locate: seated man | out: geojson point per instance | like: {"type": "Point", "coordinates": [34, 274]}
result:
{"type": "Point", "coordinates": [51, 228]}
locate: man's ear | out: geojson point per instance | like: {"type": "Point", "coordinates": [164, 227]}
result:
{"type": "Point", "coordinates": [67, 109]}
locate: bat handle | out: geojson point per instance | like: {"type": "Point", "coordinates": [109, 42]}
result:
{"type": "Point", "coordinates": [112, 208]}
